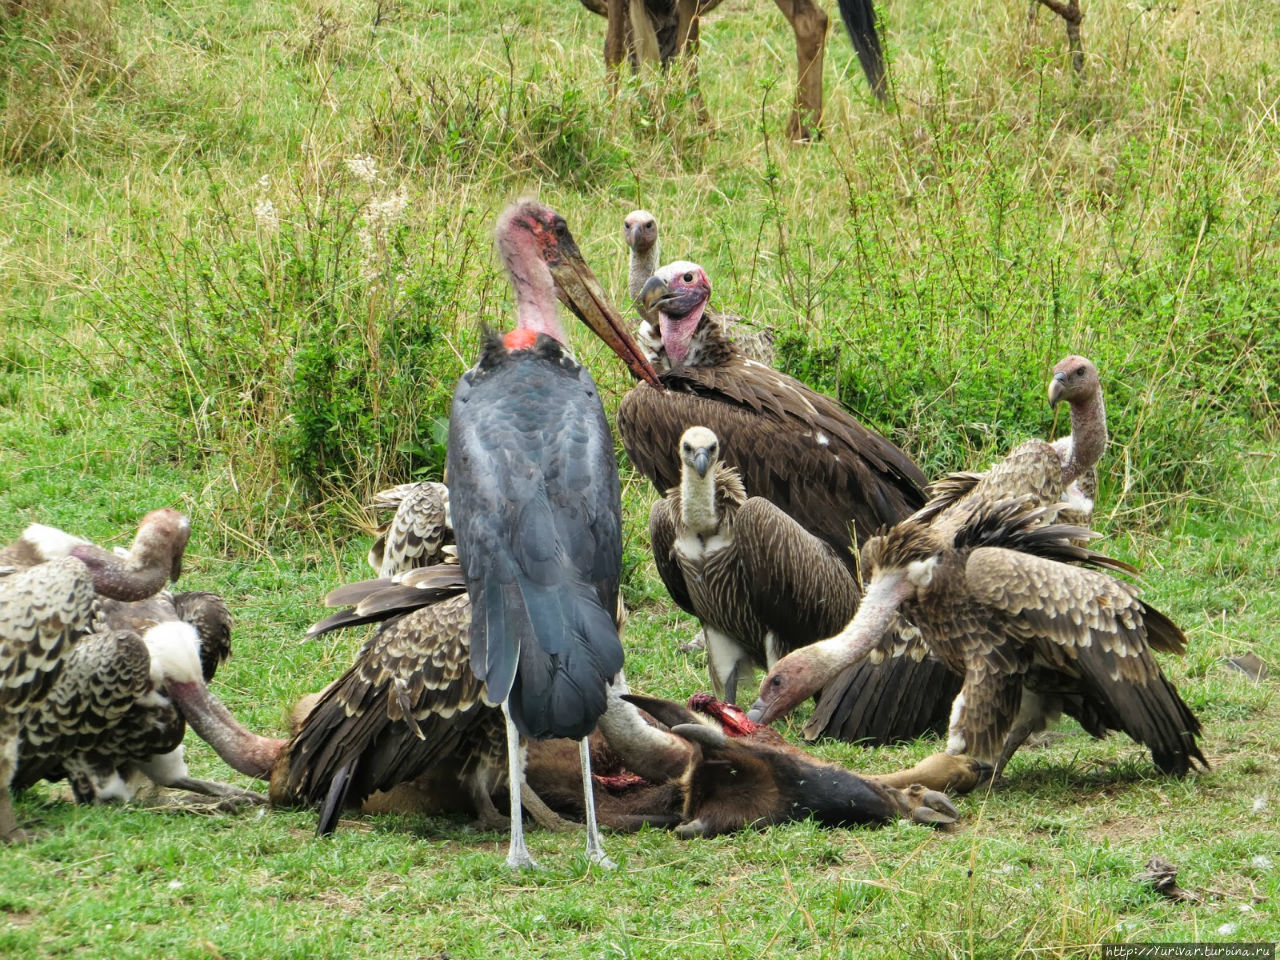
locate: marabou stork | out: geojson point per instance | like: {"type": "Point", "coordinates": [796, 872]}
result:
{"type": "Point", "coordinates": [536, 505]}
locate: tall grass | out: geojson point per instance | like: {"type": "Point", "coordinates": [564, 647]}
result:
{"type": "Point", "coordinates": [301, 327]}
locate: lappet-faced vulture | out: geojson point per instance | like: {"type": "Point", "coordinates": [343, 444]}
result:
{"type": "Point", "coordinates": [640, 230]}
{"type": "Point", "coordinates": [1003, 600]}
{"type": "Point", "coordinates": [536, 504]}
{"type": "Point", "coordinates": [807, 455]}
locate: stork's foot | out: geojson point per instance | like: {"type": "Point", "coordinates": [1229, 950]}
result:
{"type": "Point", "coordinates": [930, 806]}
{"type": "Point", "coordinates": [599, 858]}
{"type": "Point", "coordinates": [941, 771]}
{"type": "Point", "coordinates": [522, 860]}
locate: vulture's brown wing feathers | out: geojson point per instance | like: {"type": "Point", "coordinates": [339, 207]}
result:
{"type": "Point", "coordinates": [816, 599]}
{"type": "Point", "coordinates": [419, 660]}
{"type": "Point", "coordinates": [1091, 625]}
{"type": "Point", "coordinates": [100, 681]}
{"type": "Point", "coordinates": [662, 538]}
{"type": "Point", "coordinates": [792, 445]}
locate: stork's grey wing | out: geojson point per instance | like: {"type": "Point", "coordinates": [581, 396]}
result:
{"type": "Point", "coordinates": [537, 522]}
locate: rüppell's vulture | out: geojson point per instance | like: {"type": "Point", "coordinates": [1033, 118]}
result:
{"type": "Point", "coordinates": [536, 504]}
{"type": "Point", "coordinates": [110, 724]}
{"type": "Point", "coordinates": [1008, 602]}
{"type": "Point", "coordinates": [418, 534]}
{"type": "Point", "coordinates": [50, 582]}
{"type": "Point", "coordinates": [760, 584]}
{"type": "Point", "coordinates": [806, 454]}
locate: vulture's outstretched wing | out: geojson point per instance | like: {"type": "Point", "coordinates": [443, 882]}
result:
{"type": "Point", "coordinates": [1087, 624]}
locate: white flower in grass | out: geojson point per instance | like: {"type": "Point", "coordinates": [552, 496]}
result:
{"type": "Point", "coordinates": [1260, 804]}
{"type": "Point", "coordinates": [1261, 862]}
{"type": "Point", "coordinates": [363, 167]}
{"type": "Point", "coordinates": [264, 211]}
{"type": "Point", "coordinates": [1227, 929]}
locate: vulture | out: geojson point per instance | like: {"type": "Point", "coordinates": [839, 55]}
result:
{"type": "Point", "coordinates": [807, 455]}
{"type": "Point", "coordinates": [1011, 604]}
{"type": "Point", "coordinates": [1062, 473]}
{"type": "Point", "coordinates": [419, 531]}
{"type": "Point", "coordinates": [153, 559]}
{"type": "Point", "coordinates": [536, 505]}
{"type": "Point", "coordinates": [760, 583]}
{"type": "Point", "coordinates": [110, 723]}
{"type": "Point", "coordinates": [49, 584]}
{"type": "Point", "coordinates": [640, 230]}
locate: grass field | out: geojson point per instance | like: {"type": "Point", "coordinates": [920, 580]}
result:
{"type": "Point", "coordinates": [244, 255]}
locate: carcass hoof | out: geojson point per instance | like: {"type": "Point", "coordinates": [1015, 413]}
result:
{"type": "Point", "coordinates": [931, 807]}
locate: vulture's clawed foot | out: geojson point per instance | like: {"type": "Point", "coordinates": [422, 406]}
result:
{"type": "Point", "coordinates": [207, 804]}
{"type": "Point", "coordinates": [930, 807]}
{"type": "Point", "coordinates": [694, 828]}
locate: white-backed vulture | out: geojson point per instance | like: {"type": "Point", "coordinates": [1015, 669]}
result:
{"type": "Point", "coordinates": [1000, 598]}
{"type": "Point", "coordinates": [806, 454]}
{"type": "Point", "coordinates": [759, 582]}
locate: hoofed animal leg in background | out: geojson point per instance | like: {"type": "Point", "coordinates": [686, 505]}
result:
{"type": "Point", "coordinates": [810, 25]}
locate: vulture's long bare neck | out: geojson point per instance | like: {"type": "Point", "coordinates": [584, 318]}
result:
{"type": "Point", "coordinates": [1088, 437]}
{"type": "Point", "coordinates": [698, 500]}
{"type": "Point", "coordinates": [644, 264]}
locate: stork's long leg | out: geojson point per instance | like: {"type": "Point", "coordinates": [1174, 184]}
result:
{"type": "Point", "coordinates": [518, 856]}
{"type": "Point", "coordinates": [595, 849]}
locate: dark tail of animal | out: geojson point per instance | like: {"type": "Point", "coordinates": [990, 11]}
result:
{"type": "Point", "coordinates": [859, 18]}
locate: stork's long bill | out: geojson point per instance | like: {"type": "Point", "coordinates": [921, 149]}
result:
{"type": "Point", "coordinates": [580, 291]}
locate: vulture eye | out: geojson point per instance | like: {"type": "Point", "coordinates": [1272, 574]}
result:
{"type": "Point", "coordinates": [1080, 372]}
{"type": "Point", "coordinates": [561, 227]}
{"type": "Point", "coordinates": [687, 278]}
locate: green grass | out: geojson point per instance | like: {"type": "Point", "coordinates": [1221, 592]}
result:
{"type": "Point", "coordinates": [166, 338]}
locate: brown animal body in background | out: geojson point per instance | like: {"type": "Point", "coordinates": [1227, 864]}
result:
{"type": "Point", "coordinates": [659, 31]}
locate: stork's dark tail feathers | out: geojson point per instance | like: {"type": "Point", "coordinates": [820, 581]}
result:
{"type": "Point", "coordinates": [859, 18]}
{"type": "Point", "coordinates": [570, 652]}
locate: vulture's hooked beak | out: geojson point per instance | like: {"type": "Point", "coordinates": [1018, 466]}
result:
{"type": "Point", "coordinates": [580, 291]}
{"type": "Point", "coordinates": [702, 461]}
{"type": "Point", "coordinates": [656, 295]}
{"type": "Point", "coordinates": [1057, 387]}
